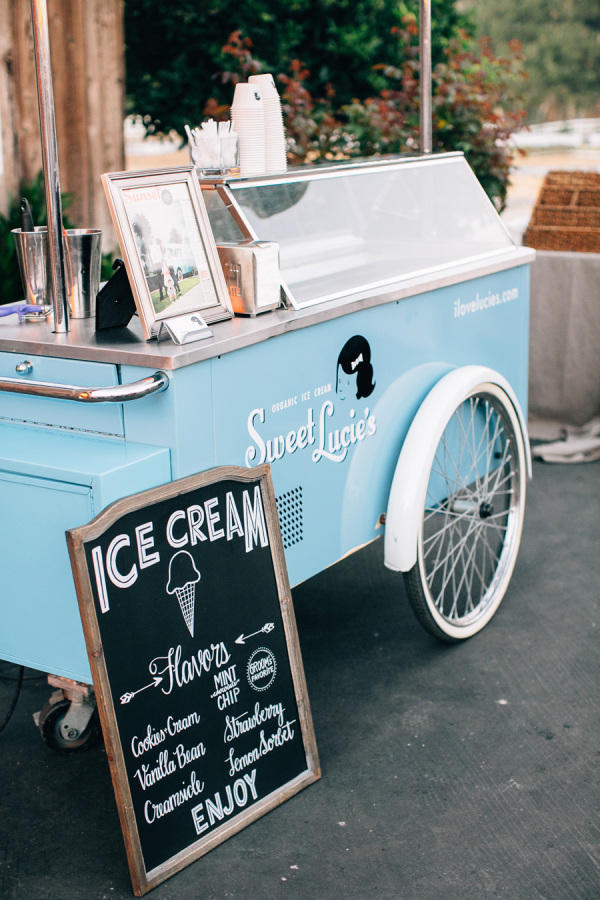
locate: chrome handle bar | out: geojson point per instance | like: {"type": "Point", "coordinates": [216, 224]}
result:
{"type": "Point", "coordinates": [119, 393]}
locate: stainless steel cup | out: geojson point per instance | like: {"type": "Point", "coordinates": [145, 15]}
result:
{"type": "Point", "coordinates": [83, 255]}
{"type": "Point", "coordinates": [82, 265]}
{"type": "Point", "coordinates": [32, 254]}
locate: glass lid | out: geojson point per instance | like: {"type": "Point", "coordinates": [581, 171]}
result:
{"type": "Point", "coordinates": [351, 229]}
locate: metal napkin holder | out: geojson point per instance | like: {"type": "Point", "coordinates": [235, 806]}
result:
{"type": "Point", "coordinates": [251, 270]}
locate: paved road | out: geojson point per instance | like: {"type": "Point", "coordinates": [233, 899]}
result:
{"type": "Point", "coordinates": [463, 772]}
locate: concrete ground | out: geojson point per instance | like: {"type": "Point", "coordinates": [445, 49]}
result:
{"type": "Point", "coordinates": [461, 772]}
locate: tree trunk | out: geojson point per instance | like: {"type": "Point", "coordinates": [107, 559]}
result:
{"type": "Point", "coordinates": [87, 51]}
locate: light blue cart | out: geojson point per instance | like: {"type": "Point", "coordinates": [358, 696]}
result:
{"type": "Point", "coordinates": [388, 397]}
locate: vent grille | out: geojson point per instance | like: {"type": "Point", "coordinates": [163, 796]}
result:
{"type": "Point", "coordinates": [291, 517]}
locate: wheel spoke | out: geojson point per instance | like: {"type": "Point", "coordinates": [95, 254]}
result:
{"type": "Point", "coordinates": [449, 524]}
{"type": "Point", "coordinates": [476, 444]}
{"type": "Point", "coordinates": [480, 450]}
{"type": "Point", "coordinates": [471, 575]}
{"type": "Point", "coordinates": [439, 552]}
{"type": "Point", "coordinates": [469, 568]}
{"type": "Point", "coordinates": [437, 511]}
{"type": "Point", "coordinates": [458, 546]}
{"type": "Point", "coordinates": [463, 430]}
{"type": "Point", "coordinates": [478, 447]}
{"type": "Point", "coordinates": [490, 451]}
{"type": "Point", "coordinates": [498, 479]}
{"type": "Point", "coordinates": [444, 562]}
{"type": "Point", "coordinates": [447, 532]}
{"type": "Point", "coordinates": [444, 473]}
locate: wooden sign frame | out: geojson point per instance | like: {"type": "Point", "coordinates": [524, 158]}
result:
{"type": "Point", "coordinates": [78, 539]}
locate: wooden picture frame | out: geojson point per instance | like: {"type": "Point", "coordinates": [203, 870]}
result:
{"type": "Point", "coordinates": [167, 245]}
{"type": "Point", "coordinates": [243, 732]}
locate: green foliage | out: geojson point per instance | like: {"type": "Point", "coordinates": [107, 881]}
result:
{"type": "Point", "coordinates": [177, 55]}
{"type": "Point", "coordinates": [475, 108]}
{"type": "Point", "coordinates": [348, 72]}
{"type": "Point", "coordinates": [106, 267]}
{"type": "Point", "coordinates": [561, 50]}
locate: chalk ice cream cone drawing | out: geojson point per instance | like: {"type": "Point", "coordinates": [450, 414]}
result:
{"type": "Point", "coordinates": [183, 577]}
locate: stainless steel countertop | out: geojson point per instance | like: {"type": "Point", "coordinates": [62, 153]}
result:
{"type": "Point", "coordinates": [126, 346]}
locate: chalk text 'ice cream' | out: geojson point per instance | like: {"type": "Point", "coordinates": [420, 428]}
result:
{"type": "Point", "coordinates": [215, 519]}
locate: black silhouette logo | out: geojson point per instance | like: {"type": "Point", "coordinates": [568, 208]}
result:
{"type": "Point", "coordinates": [354, 375]}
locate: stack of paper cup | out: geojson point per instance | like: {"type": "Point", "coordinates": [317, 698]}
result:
{"type": "Point", "coordinates": [275, 155]}
{"type": "Point", "coordinates": [248, 117]}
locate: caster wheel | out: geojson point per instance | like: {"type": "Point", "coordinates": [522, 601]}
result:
{"type": "Point", "coordinates": [51, 718]}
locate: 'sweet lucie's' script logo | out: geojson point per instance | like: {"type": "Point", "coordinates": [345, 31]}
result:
{"type": "Point", "coordinates": [317, 434]}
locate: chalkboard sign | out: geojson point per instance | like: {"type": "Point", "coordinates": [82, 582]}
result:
{"type": "Point", "coordinates": [191, 635]}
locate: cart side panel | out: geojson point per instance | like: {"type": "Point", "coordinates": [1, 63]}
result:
{"type": "Point", "coordinates": [292, 402]}
{"type": "Point", "coordinates": [180, 418]}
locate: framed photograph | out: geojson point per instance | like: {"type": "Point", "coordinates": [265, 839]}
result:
{"type": "Point", "coordinates": [168, 246]}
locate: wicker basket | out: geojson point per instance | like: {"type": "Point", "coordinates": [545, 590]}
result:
{"type": "Point", "coordinates": [578, 179]}
{"type": "Point", "coordinates": [589, 198]}
{"type": "Point", "coordinates": [554, 196]}
{"type": "Point", "coordinates": [548, 237]}
{"type": "Point", "coordinates": [569, 216]}
{"type": "Point", "coordinates": [567, 213]}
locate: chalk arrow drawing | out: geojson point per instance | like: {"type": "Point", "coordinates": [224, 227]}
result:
{"type": "Point", "coordinates": [267, 627]}
{"type": "Point", "coordinates": [129, 695]}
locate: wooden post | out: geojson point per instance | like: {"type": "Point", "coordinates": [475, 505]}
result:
{"type": "Point", "coordinates": [88, 68]}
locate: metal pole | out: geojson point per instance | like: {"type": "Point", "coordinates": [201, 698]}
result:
{"type": "Point", "coordinates": [425, 79]}
{"type": "Point", "coordinates": [56, 250]}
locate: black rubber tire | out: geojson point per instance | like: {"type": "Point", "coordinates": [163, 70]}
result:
{"type": "Point", "coordinates": [51, 716]}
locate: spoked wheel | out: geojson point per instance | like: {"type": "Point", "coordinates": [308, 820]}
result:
{"type": "Point", "coordinates": [473, 517]}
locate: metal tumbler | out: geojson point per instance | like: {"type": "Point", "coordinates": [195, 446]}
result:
{"type": "Point", "coordinates": [83, 254]}
{"type": "Point", "coordinates": [82, 265]}
{"type": "Point", "coordinates": [32, 254]}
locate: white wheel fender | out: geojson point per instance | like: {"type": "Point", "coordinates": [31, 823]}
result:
{"type": "Point", "coordinates": [409, 485]}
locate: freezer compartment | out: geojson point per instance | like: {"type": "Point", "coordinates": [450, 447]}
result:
{"type": "Point", "coordinates": [50, 482]}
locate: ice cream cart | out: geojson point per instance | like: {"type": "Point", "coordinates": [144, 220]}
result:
{"type": "Point", "coordinates": [388, 393]}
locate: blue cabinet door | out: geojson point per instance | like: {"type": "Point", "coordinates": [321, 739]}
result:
{"type": "Point", "coordinates": [40, 625]}
{"type": "Point", "coordinates": [50, 482]}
